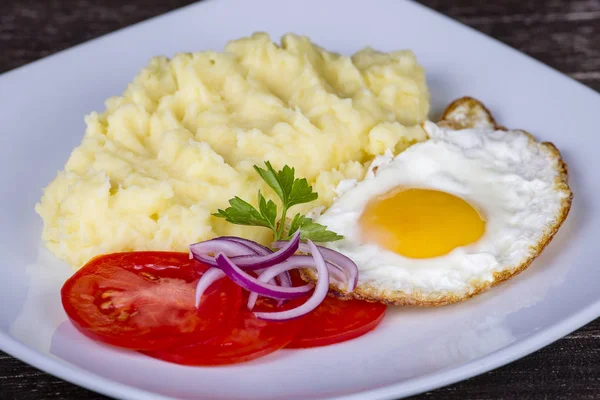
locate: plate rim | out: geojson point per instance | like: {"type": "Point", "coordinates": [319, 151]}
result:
{"type": "Point", "coordinates": [521, 348]}
{"type": "Point", "coordinates": [447, 376]}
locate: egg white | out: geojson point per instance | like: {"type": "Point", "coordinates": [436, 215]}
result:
{"type": "Point", "coordinates": [506, 175]}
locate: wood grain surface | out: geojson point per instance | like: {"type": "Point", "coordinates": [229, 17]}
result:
{"type": "Point", "coordinates": [563, 34]}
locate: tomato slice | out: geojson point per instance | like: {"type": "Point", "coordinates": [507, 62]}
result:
{"type": "Point", "coordinates": [250, 339]}
{"type": "Point", "coordinates": [145, 301]}
{"type": "Point", "coordinates": [336, 320]}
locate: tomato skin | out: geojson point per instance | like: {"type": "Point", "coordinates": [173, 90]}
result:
{"type": "Point", "coordinates": [336, 320]}
{"type": "Point", "coordinates": [145, 301]}
{"type": "Point", "coordinates": [250, 339]}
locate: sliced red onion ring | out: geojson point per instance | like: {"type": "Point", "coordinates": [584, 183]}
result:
{"type": "Point", "coordinates": [257, 247]}
{"type": "Point", "coordinates": [291, 263]}
{"type": "Point", "coordinates": [271, 272]}
{"type": "Point", "coordinates": [285, 279]}
{"type": "Point", "coordinates": [348, 266]}
{"type": "Point", "coordinates": [317, 297]}
{"type": "Point", "coordinates": [201, 250]}
{"type": "Point", "coordinates": [208, 278]}
{"type": "Point", "coordinates": [252, 284]}
{"type": "Point", "coordinates": [250, 261]}
{"type": "Point", "coordinates": [309, 262]}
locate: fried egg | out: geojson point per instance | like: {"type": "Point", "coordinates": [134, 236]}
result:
{"type": "Point", "coordinates": [451, 216]}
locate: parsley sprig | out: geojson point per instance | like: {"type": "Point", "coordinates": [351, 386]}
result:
{"type": "Point", "coordinates": [291, 191]}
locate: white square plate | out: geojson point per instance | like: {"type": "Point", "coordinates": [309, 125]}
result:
{"type": "Point", "coordinates": [414, 350]}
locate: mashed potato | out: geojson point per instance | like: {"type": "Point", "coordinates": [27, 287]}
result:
{"type": "Point", "coordinates": [182, 140]}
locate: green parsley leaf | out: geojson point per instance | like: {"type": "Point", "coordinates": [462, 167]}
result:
{"type": "Point", "coordinates": [291, 191]}
{"type": "Point", "coordinates": [281, 182]}
{"type": "Point", "coordinates": [268, 210]}
{"type": "Point", "coordinates": [297, 222]}
{"type": "Point", "coordinates": [243, 213]}
{"type": "Point", "coordinates": [311, 230]}
{"type": "Point", "coordinates": [318, 233]}
{"type": "Point", "coordinates": [301, 193]}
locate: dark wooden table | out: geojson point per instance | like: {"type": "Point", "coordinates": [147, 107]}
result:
{"type": "Point", "coordinates": [563, 34]}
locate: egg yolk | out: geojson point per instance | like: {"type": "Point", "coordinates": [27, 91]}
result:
{"type": "Point", "coordinates": [420, 223]}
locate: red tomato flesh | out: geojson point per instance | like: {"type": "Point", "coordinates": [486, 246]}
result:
{"type": "Point", "coordinates": [336, 320]}
{"type": "Point", "coordinates": [146, 301]}
{"type": "Point", "coordinates": [250, 339]}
